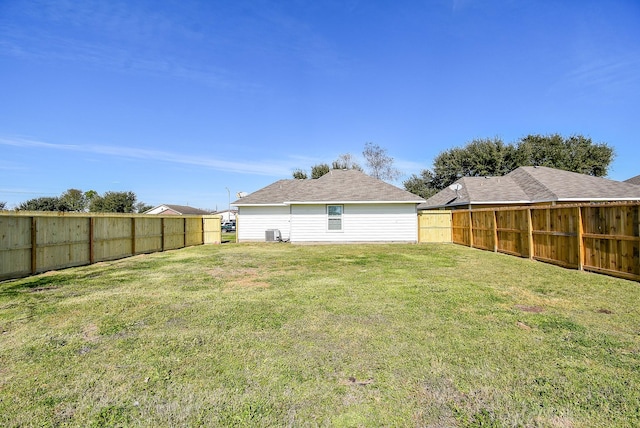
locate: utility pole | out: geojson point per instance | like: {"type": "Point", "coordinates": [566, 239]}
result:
{"type": "Point", "coordinates": [229, 207]}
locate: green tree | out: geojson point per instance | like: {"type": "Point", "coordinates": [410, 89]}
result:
{"type": "Point", "coordinates": [75, 199]}
{"type": "Point", "coordinates": [380, 164]}
{"type": "Point", "coordinates": [114, 202]}
{"type": "Point", "coordinates": [491, 157]}
{"type": "Point", "coordinates": [140, 207]}
{"type": "Point", "coordinates": [319, 170]}
{"type": "Point", "coordinates": [299, 174]}
{"type": "Point", "coordinates": [479, 158]}
{"type": "Point", "coordinates": [46, 203]}
{"type": "Point", "coordinates": [575, 153]}
{"type": "Point", "coordinates": [2, 205]}
{"type": "Point", "coordinates": [422, 185]}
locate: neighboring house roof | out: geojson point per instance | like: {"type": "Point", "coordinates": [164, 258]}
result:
{"type": "Point", "coordinates": [176, 210]}
{"type": "Point", "coordinates": [337, 186]}
{"type": "Point", "coordinates": [634, 180]}
{"type": "Point", "coordinates": [529, 184]}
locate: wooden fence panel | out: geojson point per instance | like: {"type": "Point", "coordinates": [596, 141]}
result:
{"type": "Point", "coordinates": [460, 229]}
{"type": "Point", "coordinates": [483, 229]}
{"type": "Point", "coordinates": [555, 235]}
{"type": "Point", "coordinates": [32, 242]}
{"type": "Point", "coordinates": [148, 235]}
{"type": "Point", "coordinates": [603, 238]}
{"type": "Point", "coordinates": [434, 226]}
{"type": "Point", "coordinates": [212, 231]}
{"type": "Point", "coordinates": [61, 242]}
{"type": "Point", "coordinates": [174, 232]}
{"type": "Point", "coordinates": [112, 238]}
{"type": "Point", "coordinates": [512, 232]}
{"type": "Point", "coordinates": [612, 240]}
{"type": "Point", "coordinates": [193, 227]}
{"type": "Point", "coordinates": [15, 247]}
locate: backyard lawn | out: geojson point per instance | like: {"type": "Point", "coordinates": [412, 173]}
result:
{"type": "Point", "coordinates": [326, 335]}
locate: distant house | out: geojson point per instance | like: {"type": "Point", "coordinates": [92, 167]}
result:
{"type": "Point", "coordinates": [340, 206]}
{"type": "Point", "coordinates": [530, 185]}
{"type": "Point", "coordinates": [166, 209]}
{"type": "Point", "coordinates": [634, 180]}
{"type": "Point", "coordinates": [227, 215]}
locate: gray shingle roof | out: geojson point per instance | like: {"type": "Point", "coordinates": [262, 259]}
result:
{"type": "Point", "coordinates": [634, 180]}
{"type": "Point", "coordinates": [336, 186]}
{"type": "Point", "coordinates": [530, 184]}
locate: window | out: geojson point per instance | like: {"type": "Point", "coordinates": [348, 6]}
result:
{"type": "Point", "coordinates": [334, 215]}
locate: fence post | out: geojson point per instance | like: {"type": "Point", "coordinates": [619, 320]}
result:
{"type": "Point", "coordinates": [495, 231]}
{"type": "Point", "coordinates": [34, 239]}
{"type": "Point", "coordinates": [530, 232]}
{"type": "Point", "coordinates": [470, 228]}
{"type": "Point", "coordinates": [92, 226]}
{"type": "Point", "coordinates": [580, 241]}
{"type": "Point", "coordinates": [162, 234]}
{"type": "Point", "coordinates": [133, 236]}
{"type": "Point", "coordinates": [184, 232]}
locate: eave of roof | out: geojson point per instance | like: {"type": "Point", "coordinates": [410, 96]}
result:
{"type": "Point", "coordinates": [337, 202]}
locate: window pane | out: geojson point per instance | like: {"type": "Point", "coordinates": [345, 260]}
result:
{"type": "Point", "coordinates": [335, 224]}
{"type": "Point", "coordinates": [334, 210]}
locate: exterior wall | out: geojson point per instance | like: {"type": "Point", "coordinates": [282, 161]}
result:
{"type": "Point", "coordinates": [360, 223]}
{"type": "Point", "coordinates": [254, 221]}
{"type": "Point", "coordinates": [308, 223]}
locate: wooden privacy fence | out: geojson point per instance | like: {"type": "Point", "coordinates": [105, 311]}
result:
{"type": "Point", "coordinates": [602, 238]}
{"type": "Point", "coordinates": [33, 242]}
{"type": "Point", "coordinates": [434, 226]}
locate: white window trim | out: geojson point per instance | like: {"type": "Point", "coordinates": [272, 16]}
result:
{"type": "Point", "coordinates": [341, 217]}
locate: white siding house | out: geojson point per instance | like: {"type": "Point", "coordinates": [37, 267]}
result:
{"type": "Point", "coordinates": [341, 206]}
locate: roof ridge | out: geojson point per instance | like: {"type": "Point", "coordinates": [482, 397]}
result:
{"type": "Point", "coordinates": [525, 169]}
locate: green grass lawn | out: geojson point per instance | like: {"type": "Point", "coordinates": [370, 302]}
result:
{"type": "Point", "coordinates": [328, 335]}
{"type": "Point", "coordinates": [228, 237]}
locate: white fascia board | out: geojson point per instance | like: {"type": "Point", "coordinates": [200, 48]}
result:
{"type": "Point", "coordinates": [261, 205]}
{"type": "Point", "coordinates": [631, 198]}
{"type": "Point", "coordinates": [349, 202]}
{"type": "Point", "coordinates": [497, 202]}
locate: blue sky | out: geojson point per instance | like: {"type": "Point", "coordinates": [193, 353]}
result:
{"type": "Point", "coordinates": [179, 101]}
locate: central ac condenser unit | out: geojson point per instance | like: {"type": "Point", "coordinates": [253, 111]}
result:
{"type": "Point", "coordinates": [273, 235]}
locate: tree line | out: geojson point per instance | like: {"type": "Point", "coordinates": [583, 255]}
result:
{"type": "Point", "coordinates": [75, 200]}
{"type": "Point", "coordinates": [479, 158]}
{"type": "Point", "coordinates": [492, 157]}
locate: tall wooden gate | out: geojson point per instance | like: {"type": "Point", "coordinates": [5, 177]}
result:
{"type": "Point", "coordinates": [434, 226]}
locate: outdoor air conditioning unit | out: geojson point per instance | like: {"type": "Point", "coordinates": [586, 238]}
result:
{"type": "Point", "coordinates": [273, 235]}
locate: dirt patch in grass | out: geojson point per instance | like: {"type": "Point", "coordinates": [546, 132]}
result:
{"type": "Point", "coordinates": [531, 309]}
{"type": "Point", "coordinates": [91, 332]}
{"type": "Point", "coordinates": [41, 289]}
{"type": "Point", "coordinates": [523, 326]}
{"type": "Point", "coordinates": [352, 381]}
